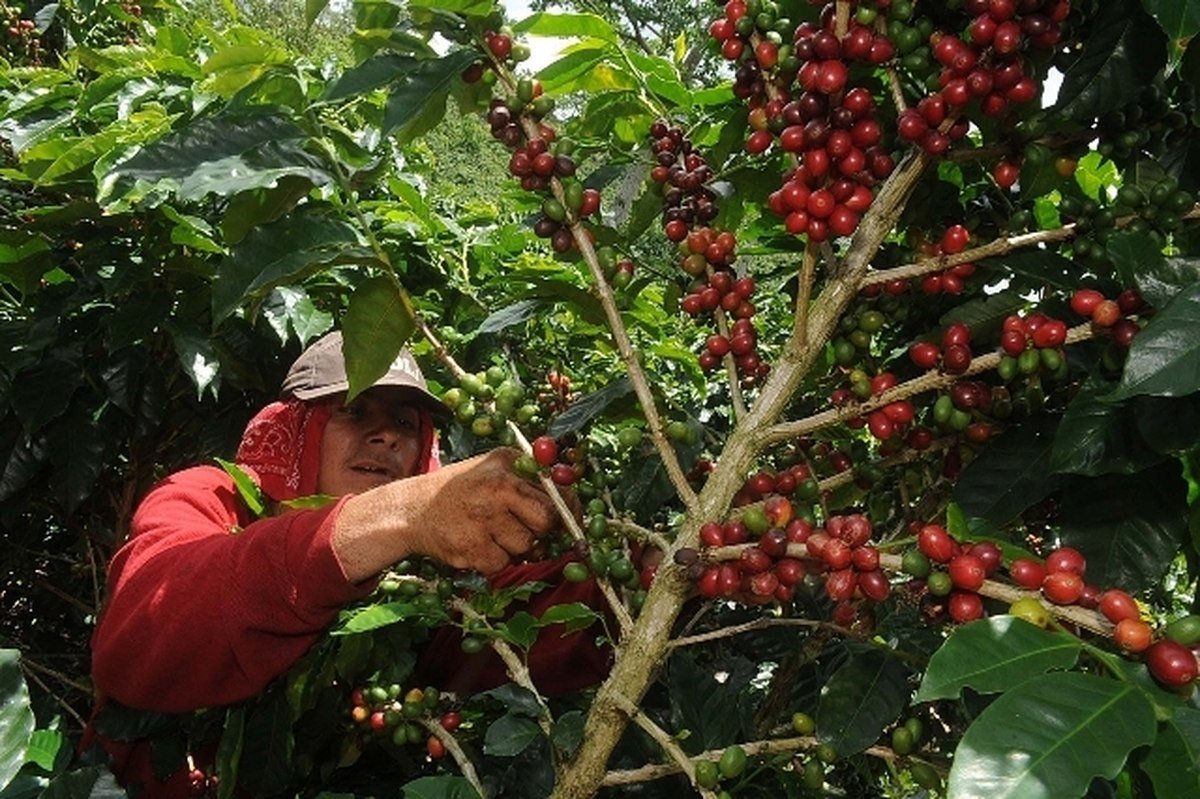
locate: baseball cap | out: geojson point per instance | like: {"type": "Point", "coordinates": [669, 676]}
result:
{"type": "Point", "coordinates": [320, 371]}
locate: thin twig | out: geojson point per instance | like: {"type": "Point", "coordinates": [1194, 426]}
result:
{"type": "Point", "coordinates": [927, 382]}
{"type": "Point", "coordinates": [460, 757]}
{"type": "Point", "coordinates": [31, 670]}
{"type": "Point", "coordinates": [682, 763]}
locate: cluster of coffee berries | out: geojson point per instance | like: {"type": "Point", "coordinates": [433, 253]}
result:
{"type": "Point", "coordinates": [1112, 314]}
{"type": "Point", "coordinates": [953, 356]}
{"type": "Point", "coordinates": [541, 160]}
{"type": "Point", "coordinates": [389, 713]}
{"type": "Point", "coordinates": [949, 281]}
{"type": "Point", "coordinates": [1060, 579]}
{"type": "Point", "coordinates": [689, 205]}
{"type": "Point", "coordinates": [796, 481]}
{"type": "Point", "coordinates": [986, 66]}
{"type": "Point", "coordinates": [487, 400]}
{"type": "Point", "coordinates": [854, 335]}
{"type": "Point", "coordinates": [20, 42]}
{"type": "Point", "coordinates": [885, 422]}
{"type": "Point", "coordinates": [563, 461]}
{"type": "Point", "coordinates": [708, 774]}
{"type": "Point", "coordinates": [960, 573]}
{"type": "Point", "coordinates": [765, 569]}
{"type": "Point", "coordinates": [502, 47]}
{"type": "Point", "coordinates": [962, 409]}
{"type": "Point", "coordinates": [1152, 121]}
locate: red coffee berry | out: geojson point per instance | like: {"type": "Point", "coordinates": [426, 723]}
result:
{"type": "Point", "coordinates": [1117, 605]}
{"type": "Point", "coordinates": [1106, 313]}
{"type": "Point", "coordinates": [965, 606]}
{"type": "Point", "coordinates": [1132, 635]}
{"type": "Point", "coordinates": [936, 543]}
{"type": "Point", "coordinates": [1171, 664]}
{"type": "Point", "coordinates": [1027, 573]}
{"type": "Point", "coordinates": [1084, 301]}
{"type": "Point", "coordinates": [1062, 588]}
{"type": "Point", "coordinates": [967, 572]}
{"type": "Point", "coordinates": [1066, 559]}
{"type": "Point", "coordinates": [545, 450]}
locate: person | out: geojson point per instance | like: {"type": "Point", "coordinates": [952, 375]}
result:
{"type": "Point", "coordinates": [207, 604]}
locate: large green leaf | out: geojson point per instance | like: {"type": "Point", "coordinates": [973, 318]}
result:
{"type": "Point", "coordinates": [43, 393]}
{"type": "Point", "coordinates": [378, 323]}
{"type": "Point", "coordinates": [1140, 263]}
{"type": "Point", "coordinates": [1128, 526]}
{"type": "Point", "coordinates": [1169, 424]}
{"type": "Point", "coordinates": [16, 717]}
{"type": "Point", "coordinates": [509, 735]}
{"type": "Point", "coordinates": [588, 407]}
{"type": "Point", "coordinates": [374, 73]}
{"type": "Point", "coordinates": [1180, 19]}
{"type": "Point", "coordinates": [993, 655]}
{"type": "Point", "coordinates": [444, 786]}
{"type": "Point", "coordinates": [1164, 359]}
{"type": "Point", "coordinates": [575, 26]}
{"type": "Point", "coordinates": [1121, 55]}
{"type": "Point", "coordinates": [1042, 266]}
{"type": "Point", "coordinates": [418, 102]}
{"type": "Point", "coordinates": [266, 763]}
{"type": "Point", "coordinates": [860, 699]}
{"type": "Point", "coordinates": [520, 311]}
{"type": "Point", "coordinates": [1049, 737]}
{"type": "Point", "coordinates": [1010, 475]}
{"type": "Point", "coordinates": [223, 155]}
{"type": "Point", "coordinates": [77, 448]}
{"type": "Point", "coordinates": [1098, 436]}
{"type": "Point", "coordinates": [76, 784]}
{"type": "Point", "coordinates": [1173, 764]}
{"type": "Point", "coordinates": [284, 251]}
{"type": "Point", "coordinates": [197, 357]}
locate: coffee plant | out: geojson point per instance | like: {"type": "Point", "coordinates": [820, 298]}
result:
{"type": "Point", "coordinates": [870, 354]}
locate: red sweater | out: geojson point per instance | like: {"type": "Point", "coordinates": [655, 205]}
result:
{"type": "Point", "coordinates": [206, 606]}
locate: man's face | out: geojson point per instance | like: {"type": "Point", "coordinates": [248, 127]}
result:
{"type": "Point", "coordinates": [373, 440]}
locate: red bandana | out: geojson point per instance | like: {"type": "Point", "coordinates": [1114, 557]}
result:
{"type": "Point", "coordinates": [282, 447]}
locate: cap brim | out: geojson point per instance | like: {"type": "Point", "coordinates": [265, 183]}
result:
{"type": "Point", "coordinates": [419, 396]}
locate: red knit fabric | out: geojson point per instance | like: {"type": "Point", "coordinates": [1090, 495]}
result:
{"type": "Point", "coordinates": [206, 606]}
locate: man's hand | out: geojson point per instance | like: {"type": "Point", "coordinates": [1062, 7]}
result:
{"type": "Point", "coordinates": [475, 514]}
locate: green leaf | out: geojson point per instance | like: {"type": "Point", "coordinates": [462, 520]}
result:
{"type": "Point", "coordinates": [75, 784]}
{"type": "Point", "coordinates": [1049, 737]}
{"type": "Point", "coordinates": [49, 750]}
{"type": "Point", "coordinates": [445, 786]}
{"type": "Point", "coordinates": [993, 655]}
{"type": "Point", "coordinates": [221, 155]}
{"type": "Point", "coordinates": [376, 616]}
{"type": "Point", "coordinates": [289, 306]}
{"type": "Point", "coordinates": [252, 207]}
{"type": "Point", "coordinates": [588, 407]}
{"type": "Point", "coordinates": [567, 25]}
{"type": "Point", "coordinates": [1180, 19]}
{"type": "Point", "coordinates": [574, 616]}
{"type": "Point", "coordinates": [248, 490]}
{"type": "Point", "coordinates": [860, 699]}
{"type": "Point", "coordinates": [1123, 53]}
{"type": "Point", "coordinates": [1173, 764]}
{"type": "Point", "coordinates": [520, 311]}
{"type": "Point", "coordinates": [378, 323]}
{"type": "Point", "coordinates": [1128, 526]}
{"type": "Point", "coordinates": [1169, 425]}
{"type": "Point", "coordinates": [1164, 359]}
{"type": "Point", "coordinates": [374, 73]}
{"type": "Point", "coordinates": [43, 393]}
{"type": "Point", "coordinates": [229, 751]}
{"type": "Point", "coordinates": [517, 700]}
{"type": "Point", "coordinates": [197, 357]}
{"type": "Point", "coordinates": [284, 251]}
{"type": "Point", "coordinates": [1011, 474]}
{"type": "Point", "coordinates": [509, 735]}
{"type": "Point", "coordinates": [475, 8]}
{"type": "Point", "coordinates": [266, 762]}
{"type": "Point", "coordinates": [567, 732]}
{"type": "Point", "coordinates": [1042, 266]}
{"type": "Point", "coordinates": [520, 629]}
{"type": "Point", "coordinates": [77, 452]}
{"type": "Point", "coordinates": [1098, 436]}
{"type": "Point", "coordinates": [16, 716]}
{"type": "Point", "coordinates": [418, 103]}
